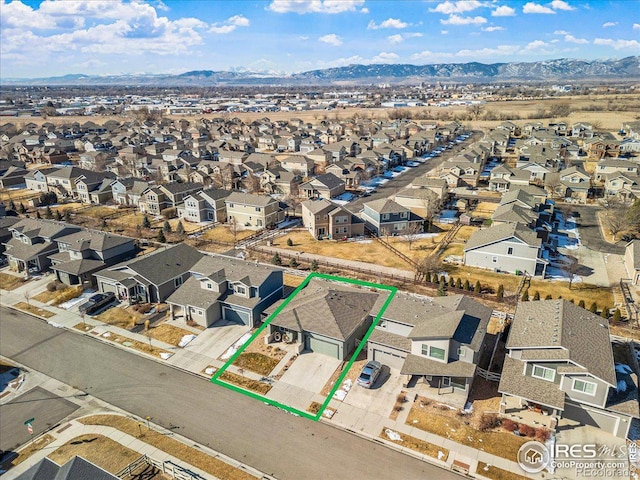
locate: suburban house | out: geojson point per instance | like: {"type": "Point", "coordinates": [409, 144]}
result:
{"type": "Point", "coordinates": [575, 183]}
{"type": "Point", "coordinates": [83, 253]}
{"type": "Point", "coordinates": [205, 206]}
{"type": "Point", "coordinates": [434, 341]}
{"type": "Point", "coordinates": [614, 165]}
{"type": "Point", "coordinates": [509, 247]}
{"type": "Point", "coordinates": [560, 363]}
{"type": "Point", "coordinates": [225, 288]}
{"type": "Point", "coordinates": [96, 188]}
{"type": "Point", "coordinates": [33, 241]}
{"type": "Point", "coordinates": [327, 317]}
{"type": "Point", "coordinates": [386, 217]}
{"type": "Point", "coordinates": [253, 211]}
{"type": "Point", "coordinates": [150, 278]}
{"type": "Point", "coordinates": [504, 178]}
{"type": "Point", "coordinates": [13, 177]}
{"type": "Point", "coordinates": [299, 164]}
{"type": "Point", "coordinates": [632, 261]}
{"type": "Point", "coordinates": [76, 468]}
{"type": "Point", "coordinates": [37, 179]}
{"type": "Point", "coordinates": [419, 199]}
{"type": "Point", "coordinates": [127, 191]}
{"type": "Point", "coordinates": [323, 186]}
{"type": "Point", "coordinates": [437, 185]}
{"type": "Point", "coordinates": [625, 186]}
{"type": "Point", "coordinates": [325, 219]}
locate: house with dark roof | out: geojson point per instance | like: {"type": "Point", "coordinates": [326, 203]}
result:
{"type": "Point", "coordinates": [150, 278]}
{"type": "Point", "coordinates": [437, 343]}
{"type": "Point", "coordinates": [632, 261]}
{"type": "Point", "coordinates": [76, 468]}
{"type": "Point", "coordinates": [158, 198]}
{"type": "Point", "coordinates": [325, 219]}
{"type": "Point", "coordinates": [560, 362]}
{"type": "Point", "coordinates": [508, 247]}
{"type": "Point", "coordinates": [225, 288]}
{"type": "Point", "coordinates": [386, 217]}
{"type": "Point", "coordinates": [326, 317]}
{"type": "Point", "coordinates": [83, 253]}
{"type": "Point", "coordinates": [33, 241]}
{"type": "Point", "coordinates": [323, 186]}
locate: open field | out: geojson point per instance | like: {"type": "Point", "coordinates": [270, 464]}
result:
{"type": "Point", "coordinates": [17, 195]}
{"type": "Point", "coordinates": [171, 446]}
{"type": "Point", "coordinates": [98, 449]}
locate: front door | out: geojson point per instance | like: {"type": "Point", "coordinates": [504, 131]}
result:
{"type": "Point", "coordinates": [322, 231]}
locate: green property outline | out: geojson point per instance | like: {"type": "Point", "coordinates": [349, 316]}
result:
{"type": "Point", "coordinates": [216, 380]}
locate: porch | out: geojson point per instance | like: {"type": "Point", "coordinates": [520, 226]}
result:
{"type": "Point", "coordinates": [533, 414]}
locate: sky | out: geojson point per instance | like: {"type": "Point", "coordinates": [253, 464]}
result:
{"type": "Point", "coordinates": [51, 38]}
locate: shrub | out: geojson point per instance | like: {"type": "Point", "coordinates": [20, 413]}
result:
{"type": "Point", "coordinates": [67, 215]}
{"type": "Point", "coordinates": [525, 295]}
{"type": "Point", "coordinates": [548, 296]}
{"type": "Point", "coordinates": [293, 263]}
{"type": "Point", "coordinates": [58, 215]}
{"type": "Point", "coordinates": [51, 286]}
{"type": "Point", "coordinates": [459, 284]}
{"type": "Point", "coordinates": [60, 286]}
{"type": "Point", "coordinates": [542, 434]}
{"type": "Point", "coordinates": [500, 292]}
{"type": "Point", "coordinates": [289, 242]}
{"type": "Point", "coordinates": [466, 287]}
{"type": "Point", "coordinates": [509, 425]}
{"type": "Point", "coordinates": [593, 308]}
{"type": "Point", "coordinates": [452, 282]}
{"type": "Point", "coordinates": [276, 260]}
{"type": "Point", "coordinates": [477, 288]}
{"type": "Point", "coordinates": [166, 228]}
{"type": "Point", "coordinates": [617, 315]}
{"type": "Point", "coordinates": [442, 289]}
{"type": "Point", "coordinates": [605, 312]}
{"type": "Point", "coordinates": [489, 421]}
{"type": "Point", "coordinates": [536, 295]}
{"type": "Point", "coordinates": [169, 213]}
{"type": "Point", "coordinates": [180, 228]}
{"type": "Point", "coordinates": [161, 238]}
{"type": "Point", "coordinates": [581, 304]}
{"type": "Point", "coordinates": [527, 430]}
{"type": "Point", "coordinates": [145, 222]}
{"type": "Point", "coordinates": [314, 265]}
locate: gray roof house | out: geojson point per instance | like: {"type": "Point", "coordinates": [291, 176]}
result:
{"type": "Point", "coordinates": [76, 468]}
{"type": "Point", "coordinates": [149, 278]}
{"type": "Point", "coordinates": [632, 261]}
{"type": "Point", "coordinates": [323, 186]}
{"type": "Point", "coordinates": [560, 361]}
{"type": "Point", "coordinates": [205, 206]}
{"type": "Point", "coordinates": [327, 317]}
{"type": "Point", "coordinates": [228, 289]}
{"type": "Point", "coordinates": [509, 247]}
{"type": "Point", "coordinates": [437, 342]}
{"type": "Point", "coordinates": [386, 217]}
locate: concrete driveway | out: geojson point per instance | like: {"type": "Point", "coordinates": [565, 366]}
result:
{"type": "Point", "coordinates": [381, 398]}
{"type": "Point", "coordinates": [311, 371]}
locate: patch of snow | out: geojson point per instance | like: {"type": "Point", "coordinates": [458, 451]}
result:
{"type": "Point", "coordinates": [106, 334]}
{"type": "Point", "coordinates": [468, 408]}
{"type": "Point", "coordinates": [75, 301]}
{"type": "Point", "coordinates": [186, 339]}
{"type": "Point", "coordinates": [165, 355]}
{"type": "Point", "coordinates": [392, 435]}
{"type": "Point", "coordinates": [55, 324]}
{"type": "Point", "coordinates": [329, 413]}
{"type": "Point", "coordinates": [234, 348]}
{"type": "Point", "coordinates": [210, 370]}
{"type": "Point", "coordinates": [340, 395]}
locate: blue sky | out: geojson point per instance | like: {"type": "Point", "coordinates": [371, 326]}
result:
{"type": "Point", "coordinates": [47, 38]}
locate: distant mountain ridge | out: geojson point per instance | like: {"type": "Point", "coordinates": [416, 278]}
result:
{"type": "Point", "coordinates": [563, 69]}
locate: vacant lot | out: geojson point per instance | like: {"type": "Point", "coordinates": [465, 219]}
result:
{"type": "Point", "coordinates": [102, 451]}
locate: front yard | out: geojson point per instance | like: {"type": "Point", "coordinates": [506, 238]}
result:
{"type": "Point", "coordinates": [10, 282]}
{"type": "Point", "coordinates": [61, 294]}
{"type": "Point", "coordinates": [415, 444]}
{"type": "Point", "coordinates": [40, 312]}
{"type": "Point", "coordinates": [167, 333]}
{"type": "Point", "coordinates": [120, 317]}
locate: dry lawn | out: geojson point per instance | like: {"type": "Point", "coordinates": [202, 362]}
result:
{"type": "Point", "coordinates": [169, 445]}
{"type": "Point", "coordinates": [83, 327]}
{"type": "Point", "coordinates": [188, 226]}
{"type": "Point", "coordinates": [425, 416]}
{"type": "Point", "coordinates": [496, 473]}
{"type": "Point", "coordinates": [18, 195]}
{"type": "Point", "coordinates": [59, 296]}
{"type": "Point", "coordinates": [418, 445]}
{"type": "Point", "coordinates": [292, 280]}
{"type": "Point", "coordinates": [352, 375]}
{"type": "Point", "coordinates": [224, 234]}
{"type": "Point", "coordinates": [97, 212]}
{"type": "Point", "coordinates": [120, 317]}
{"type": "Point", "coordinates": [32, 448]}
{"type": "Point", "coordinates": [40, 312]}
{"type": "Point", "coordinates": [244, 382]}
{"type": "Point", "coordinates": [135, 344]}
{"type": "Point", "coordinates": [484, 209]}
{"type": "Point", "coordinates": [256, 362]}
{"type": "Point", "coordinates": [168, 333]}
{"type": "Point", "coordinates": [98, 449]}
{"type": "Point", "coordinates": [10, 282]}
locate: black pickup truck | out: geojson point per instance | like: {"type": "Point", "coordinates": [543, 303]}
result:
{"type": "Point", "coordinates": [96, 302]}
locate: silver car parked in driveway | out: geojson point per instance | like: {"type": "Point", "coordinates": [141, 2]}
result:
{"type": "Point", "coordinates": [369, 374]}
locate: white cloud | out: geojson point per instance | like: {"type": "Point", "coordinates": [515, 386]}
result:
{"type": "Point", "coordinates": [462, 6]}
{"type": "Point", "coordinates": [609, 24]}
{"type": "Point", "coordinates": [532, 7]}
{"type": "Point", "coordinates": [561, 5]}
{"type": "Point", "coordinates": [384, 57]}
{"type": "Point", "coordinates": [572, 39]}
{"type": "Point", "coordinates": [303, 38]}
{"type": "Point", "coordinates": [160, 5]}
{"type": "Point", "coordinates": [394, 39]}
{"type": "Point", "coordinates": [458, 20]}
{"type": "Point", "coordinates": [536, 45]}
{"type": "Point", "coordinates": [331, 39]}
{"type": "Point", "coordinates": [489, 52]}
{"type": "Point", "coordinates": [431, 56]}
{"type": "Point", "coordinates": [618, 44]}
{"type": "Point", "coordinates": [230, 24]}
{"type": "Point", "coordinates": [493, 29]}
{"type": "Point", "coordinates": [561, 32]}
{"type": "Point", "coordinates": [503, 11]}
{"type": "Point", "coordinates": [364, 10]}
{"type": "Point", "coordinates": [315, 6]}
{"type": "Point", "coordinates": [444, 32]}
{"type": "Point", "coordinates": [413, 35]}
{"type": "Point", "coordinates": [388, 23]}
{"type": "Point", "coordinates": [636, 26]}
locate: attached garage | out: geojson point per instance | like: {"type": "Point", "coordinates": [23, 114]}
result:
{"type": "Point", "coordinates": [235, 315]}
{"type": "Point", "coordinates": [388, 358]}
{"type": "Point", "coordinates": [107, 287]}
{"type": "Point", "coordinates": [321, 345]}
{"type": "Point", "coordinates": [595, 418]}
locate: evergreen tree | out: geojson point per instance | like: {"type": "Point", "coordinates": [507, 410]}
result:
{"type": "Point", "coordinates": [12, 206]}
{"type": "Point", "coordinates": [536, 295]}
{"type": "Point", "coordinates": [572, 301]}
{"type": "Point", "coordinates": [145, 222]}
{"type": "Point", "coordinates": [617, 315]}
{"type": "Point", "coordinates": [276, 260]}
{"type": "Point", "coordinates": [67, 216]}
{"type": "Point", "coordinates": [58, 215]}
{"type": "Point", "coordinates": [525, 295]}
{"type": "Point", "coordinates": [605, 312]}
{"type": "Point", "coordinates": [452, 282]}
{"type": "Point", "coordinates": [459, 284]}
{"type": "Point", "coordinates": [477, 288]}
{"type": "Point", "coordinates": [38, 214]}
{"type": "Point", "coordinates": [161, 238]}
{"type": "Point", "coordinates": [289, 242]}
{"type": "Point", "coordinates": [466, 287]}
{"type": "Point", "coordinates": [581, 304]}
{"type": "Point", "coordinates": [548, 296]}
{"type": "Point", "coordinates": [21, 209]}
{"type": "Point", "coordinates": [442, 288]}
{"type": "Point", "coordinates": [314, 265]}
{"type": "Point", "coordinates": [48, 213]}
{"type": "Point", "coordinates": [500, 292]}
{"type": "Point", "coordinates": [293, 263]}
{"type": "Point", "coordinates": [180, 228]}
{"type": "Point", "coordinates": [593, 308]}
{"type": "Point", "coordinates": [166, 228]}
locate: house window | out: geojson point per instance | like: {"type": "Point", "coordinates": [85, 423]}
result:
{"type": "Point", "coordinates": [209, 286]}
{"type": "Point", "coordinates": [258, 209]}
{"type": "Point", "coordinates": [435, 352]}
{"type": "Point", "coordinates": [231, 205]}
{"type": "Point", "coordinates": [403, 215]}
{"type": "Point", "coordinates": [385, 216]}
{"type": "Point", "coordinates": [583, 386]}
{"type": "Point", "coordinates": [461, 352]}
{"type": "Point", "coordinates": [177, 282]}
{"type": "Point", "coordinates": [543, 373]}
{"type": "Point", "coordinates": [510, 251]}
{"type": "Point", "coordinates": [240, 289]}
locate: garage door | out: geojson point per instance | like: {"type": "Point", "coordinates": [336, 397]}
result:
{"type": "Point", "coordinates": [106, 287]}
{"type": "Point", "coordinates": [238, 316]}
{"type": "Point", "coordinates": [590, 417]}
{"type": "Point", "coordinates": [388, 359]}
{"type": "Point", "coordinates": [322, 346]}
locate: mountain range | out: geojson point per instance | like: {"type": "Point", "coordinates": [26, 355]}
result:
{"type": "Point", "coordinates": [559, 70]}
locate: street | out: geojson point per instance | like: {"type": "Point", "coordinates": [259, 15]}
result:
{"type": "Point", "coordinates": [273, 441]}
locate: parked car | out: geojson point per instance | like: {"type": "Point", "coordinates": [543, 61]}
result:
{"type": "Point", "coordinates": [96, 302]}
{"type": "Point", "coordinates": [369, 374]}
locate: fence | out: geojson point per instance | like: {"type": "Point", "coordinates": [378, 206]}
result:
{"type": "Point", "coordinates": [487, 375]}
{"type": "Point", "coordinates": [166, 467]}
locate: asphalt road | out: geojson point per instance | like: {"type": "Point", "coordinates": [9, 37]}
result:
{"type": "Point", "coordinates": [401, 181]}
{"type": "Point", "coordinates": [247, 430]}
{"type": "Point", "coordinates": [46, 408]}
{"type": "Point", "coordinates": [589, 230]}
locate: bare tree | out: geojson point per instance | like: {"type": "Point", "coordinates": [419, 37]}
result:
{"type": "Point", "coordinates": [615, 220]}
{"type": "Point", "coordinates": [429, 264]}
{"type": "Point", "coordinates": [571, 268]}
{"type": "Point", "coordinates": [252, 183]}
{"type": "Point", "coordinates": [431, 203]}
{"type": "Point", "coordinates": [411, 233]}
{"type": "Point", "coordinates": [553, 184]}
{"type": "Point", "coordinates": [475, 110]}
